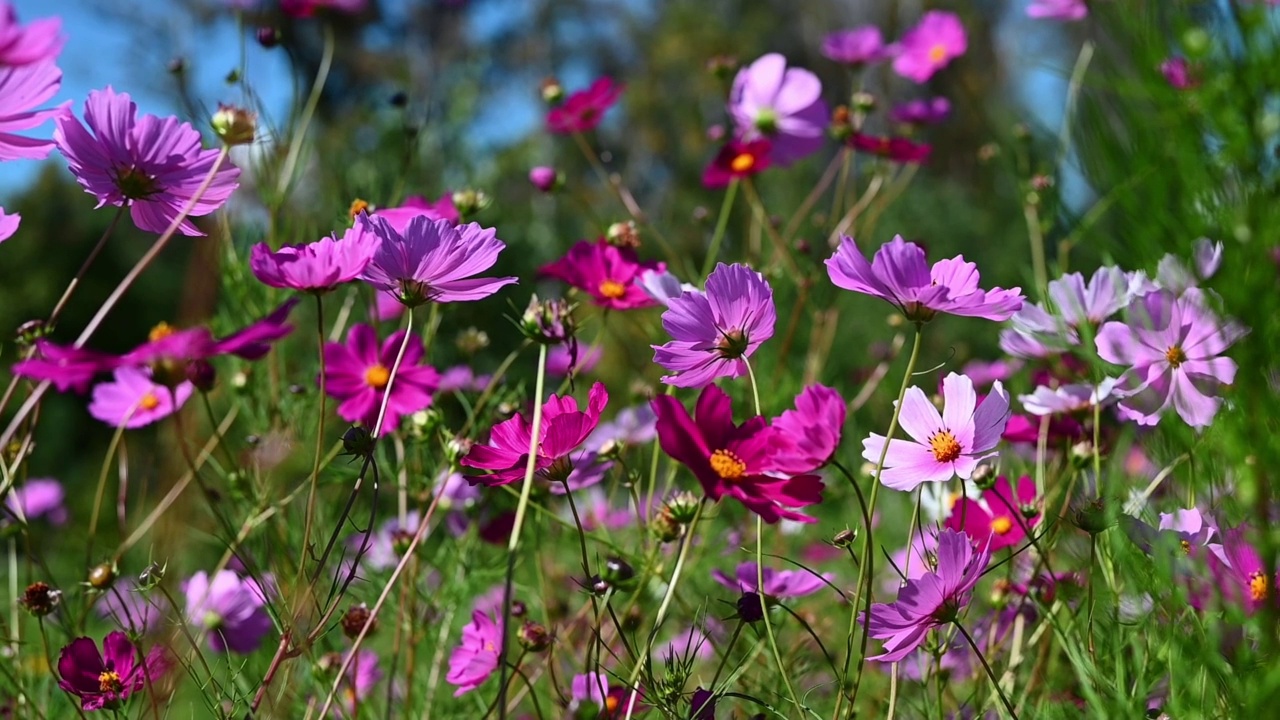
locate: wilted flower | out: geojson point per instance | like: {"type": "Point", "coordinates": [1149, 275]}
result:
{"type": "Point", "coordinates": [39, 599]}
{"type": "Point", "coordinates": [358, 372]}
{"type": "Point", "coordinates": [781, 104]}
{"type": "Point", "coordinates": [106, 679]}
{"type": "Point", "coordinates": [583, 110]}
{"type": "Point", "coordinates": [931, 45]}
{"type": "Point", "coordinates": [234, 125]}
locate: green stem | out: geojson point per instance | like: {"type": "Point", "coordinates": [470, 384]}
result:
{"type": "Point", "coordinates": [999, 691]}
{"type": "Point", "coordinates": [722, 222]}
{"type": "Point", "coordinates": [768, 625]}
{"type": "Point", "coordinates": [315, 466]}
{"type": "Point", "coordinates": [309, 111]}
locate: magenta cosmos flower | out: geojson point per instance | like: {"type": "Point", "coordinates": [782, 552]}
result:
{"type": "Point", "coordinates": [941, 446]}
{"type": "Point", "coordinates": [230, 608]}
{"type": "Point", "coordinates": [1065, 10]}
{"type": "Point", "coordinates": [583, 110]}
{"type": "Point", "coordinates": [476, 657]}
{"type": "Point", "coordinates": [133, 399]}
{"type": "Point", "coordinates": [104, 680]}
{"type": "Point", "coordinates": [8, 224]}
{"type": "Point", "coordinates": [1240, 573]}
{"type": "Point", "coordinates": [929, 601]}
{"type": "Point", "coordinates": [900, 274]}
{"type": "Point", "coordinates": [809, 435]}
{"type": "Point", "coordinates": [897, 149]}
{"type": "Point", "coordinates": [433, 261]}
{"type": "Point", "coordinates": [858, 46]}
{"type": "Point", "coordinates": [22, 89]}
{"type": "Point", "coordinates": [418, 206]}
{"type": "Point", "coordinates": [358, 373]}
{"type": "Point", "coordinates": [732, 460]}
{"type": "Point", "coordinates": [563, 430]}
{"type": "Point", "coordinates": [605, 272]}
{"type": "Point", "coordinates": [39, 41]}
{"type": "Point", "coordinates": [316, 267]}
{"type": "Point", "coordinates": [37, 498]}
{"type": "Point", "coordinates": [928, 47]}
{"type": "Point", "coordinates": [736, 160]}
{"type": "Point", "coordinates": [713, 333]}
{"type": "Point", "coordinates": [921, 111]}
{"type": "Point", "coordinates": [781, 104]}
{"type": "Point", "coordinates": [307, 8]}
{"type": "Point", "coordinates": [1001, 519]}
{"type": "Point", "coordinates": [778, 584]}
{"type": "Point", "coordinates": [357, 685]}
{"type": "Point", "coordinates": [152, 165]}
{"type": "Point", "coordinates": [1172, 346]}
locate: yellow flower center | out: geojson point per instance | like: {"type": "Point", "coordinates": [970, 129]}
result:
{"type": "Point", "coordinates": [610, 704]}
{"type": "Point", "coordinates": [149, 401]}
{"type": "Point", "coordinates": [1257, 586]}
{"type": "Point", "coordinates": [742, 162]}
{"type": "Point", "coordinates": [937, 53]}
{"type": "Point", "coordinates": [357, 206]}
{"type": "Point", "coordinates": [945, 447]}
{"type": "Point", "coordinates": [612, 289]}
{"type": "Point", "coordinates": [1001, 525]}
{"type": "Point", "coordinates": [109, 681]}
{"type": "Point", "coordinates": [376, 377]}
{"type": "Point", "coordinates": [728, 465]}
{"type": "Point", "coordinates": [1186, 547]}
{"type": "Point", "coordinates": [1175, 356]}
{"type": "Point", "coordinates": [163, 330]}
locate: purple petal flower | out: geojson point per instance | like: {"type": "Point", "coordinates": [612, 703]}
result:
{"type": "Point", "coordinates": [40, 41]}
{"type": "Point", "coordinates": [476, 657]}
{"type": "Point", "coordinates": [784, 105]}
{"type": "Point", "coordinates": [133, 400]}
{"type": "Point", "coordinates": [358, 372]}
{"type": "Point", "coordinates": [922, 112]}
{"type": "Point", "coordinates": [809, 435]}
{"type": "Point", "coordinates": [983, 372]}
{"type": "Point", "coordinates": [418, 206]}
{"type": "Point", "coordinates": [21, 90]}
{"type": "Point", "coordinates": [931, 45]}
{"type": "Point", "coordinates": [544, 178]}
{"type": "Point", "coordinates": [8, 224]}
{"type": "Point", "coordinates": [38, 498]}
{"type": "Point", "coordinates": [315, 267]}
{"type": "Point", "coordinates": [561, 360]}
{"type": "Point", "coordinates": [1064, 10]}
{"type": "Point", "coordinates": [433, 261]}
{"type": "Point", "coordinates": [857, 46]}
{"type": "Point", "coordinates": [778, 584]}
{"type": "Point", "coordinates": [362, 675]}
{"type": "Point", "coordinates": [106, 679]}
{"type": "Point", "coordinates": [230, 608]}
{"type": "Point", "coordinates": [130, 609]}
{"type": "Point", "coordinates": [631, 426]}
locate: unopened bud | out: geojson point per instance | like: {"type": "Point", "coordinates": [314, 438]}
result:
{"type": "Point", "coordinates": [268, 37]}
{"type": "Point", "coordinates": [472, 340]}
{"type": "Point", "coordinates": [623, 234]}
{"type": "Point", "coordinates": [552, 91]}
{"type": "Point", "coordinates": [683, 507]}
{"type": "Point", "coordinates": [102, 576]}
{"type": "Point", "coordinates": [844, 538]}
{"type": "Point", "coordinates": [355, 619]}
{"type": "Point", "coordinates": [619, 574]}
{"type": "Point", "coordinates": [40, 599]}
{"type": "Point", "coordinates": [234, 125]}
{"type": "Point", "coordinates": [357, 441]}
{"type": "Point", "coordinates": [750, 607]}
{"type": "Point", "coordinates": [469, 202]}
{"type": "Point", "coordinates": [984, 476]}
{"type": "Point", "coordinates": [534, 637]}
{"type": "Point", "coordinates": [151, 575]}
{"type": "Point", "coordinates": [548, 322]}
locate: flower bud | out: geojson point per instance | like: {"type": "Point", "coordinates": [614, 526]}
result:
{"type": "Point", "coordinates": [546, 179]}
{"type": "Point", "coordinates": [40, 599]}
{"type": "Point", "coordinates": [202, 375]}
{"type": "Point", "coordinates": [750, 607]}
{"type": "Point", "coordinates": [268, 37]}
{"type": "Point", "coordinates": [151, 575]}
{"type": "Point", "coordinates": [548, 322]}
{"type": "Point", "coordinates": [1091, 516]}
{"type": "Point", "coordinates": [102, 576]}
{"type": "Point", "coordinates": [619, 574]}
{"type": "Point", "coordinates": [457, 448]}
{"type": "Point", "coordinates": [623, 234]}
{"type": "Point", "coordinates": [552, 91]}
{"type": "Point", "coordinates": [665, 527]}
{"type": "Point", "coordinates": [984, 476]}
{"type": "Point", "coordinates": [472, 340]}
{"type": "Point", "coordinates": [844, 538]}
{"type": "Point", "coordinates": [683, 507]}
{"type": "Point", "coordinates": [841, 123]}
{"type": "Point", "coordinates": [533, 637]}
{"type": "Point", "coordinates": [722, 66]}
{"type": "Point", "coordinates": [469, 202]}
{"type": "Point", "coordinates": [357, 441]}
{"type": "Point", "coordinates": [30, 331]}
{"type": "Point", "coordinates": [234, 125]}
{"type": "Point", "coordinates": [401, 541]}
{"type": "Point", "coordinates": [355, 619]}
{"type": "Point", "coordinates": [864, 102]}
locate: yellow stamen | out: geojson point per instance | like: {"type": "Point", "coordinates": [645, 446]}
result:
{"type": "Point", "coordinates": [376, 377]}
{"type": "Point", "coordinates": [357, 206]}
{"type": "Point", "coordinates": [728, 465]}
{"type": "Point", "coordinates": [1175, 356]}
{"type": "Point", "coordinates": [163, 330]}
{"type": "Point", "coordinates": [1001, 525]}
{"type": "Point", "coordinates": [945, 447]}
{"type": "Point", "coordinates": [1257, 586]}
{"type": "Point", "coordinates": [610, 704]}
{"type": "Point", "coordinates": [149, 401]}
{"type": "Point", "coordinates": [109, 681]}
{"type": "Point", "coordinates": [612, 289]}
{"type": "Point", "coordinates": [742, 162]}
{"type": "Point", "coordinates": [937, 53]}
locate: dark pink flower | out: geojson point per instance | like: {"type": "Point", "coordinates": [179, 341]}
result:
{"type": "Point", "coordinates": [781, 104]}
{"type": "Point", "coordinates": [476, 657]}
{"type": "Point", "coordinates": [1178, 73]}
{"type": "Point", "coordinates": [358, 373]}
{"type": "Point", "coordinates": [316, 267]}
{"type": "Point", "coordinates": [583, 110]}
{"type": "Point", "coordinates": [736, 160]}
{"type": "Point", "coordinates": [1240, 573]}
{"type": "Point", "coordinates": [856, 47]}
{"type": "Point", "coordinates": [809, 435]}
{"type": "Point", "coordinates": [307, 8]}
{"type": "Point", "coordinates": [1064, 10]}
{"type": "Point", "coordinates": [1000, 519]}
{"type": "Point", "coordinates": [152, 165]}
{"type": "Point", "coordinates": [418, 206]}
{"type": "Point", "coordinates": [544, 178]}
{"type": "Point", "coordinates": [22, 89]}
{"type": "Point", "coordinates": [732, 460]}
{"type": "Point", "coordinates": [606, 272]}
{"type": "Point", "coordinates": [40, 41]}
{"type": "Point", "coordinates": [897, 149]}
{"type": "Point", "coordinates": [433, 261]}
{"type": "Point", "coordinates": [106, 679]}
{"type": "Point", "coordinates": [133, 400]}
{"type": "Point", "coordinates": [928, 47]}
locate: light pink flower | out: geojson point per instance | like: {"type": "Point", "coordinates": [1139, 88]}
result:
{"type": "Point", "coordinates": [132, 400]}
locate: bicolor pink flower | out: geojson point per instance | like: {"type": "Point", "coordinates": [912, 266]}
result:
{"type": "Point", "coordinates": [37, 498]}
{"type": "Point", "coordinates": [1065, 10]}
{"type": "Point", "coordinates": [418, 206]}
{"type": "Point", "coordinates": [433, 261]}
{"type": "Point", "coordinates": [22, 90]}
{"type": "Point", "coordinates": [40, 41]}
{"type": "Point", "coordinates": [897, 149]}
{"type": "Point", "coordinates": [732, 460]}
{"type": "Point", "coordinates": [604, 271]}
{"type": "Point", "coordinates": [231, 609]}
{"type": "Point", "coordinates": [900, 274]}
{"type": "Point", "coordinates": [778, 584]}
{"type": "Point", "coordinates": [151, 165]}
{"type": "Point", "coordinates": [929, 111]}
{"type": "Point", "coordinates": [133, 399]}
{"type": "Point", "coordinates": [476, 657]}
{"type": "Point", "coordinates": [8, 224]}
{"type": "Point", "coordinates": [941, 446]}
{"type": "Point", "coordinates": [931, 45]}
{"type": "Point", "coordinates": [1002, 518]}
{"type": "Point", "coordinates": [713, 333]}
{"type": "Point", "coordinates": [358, 372]}
{"type": "Point", "coordinates": [736, 160]}
{"type": "Point", "coordinates": [783, 105]}
{"type": "Point", "coordinates": [316, 267]}
{"type": "Point", "coordinates": [929, 601]}
{"type": "Point", "coordinates": [862, 45]}
{"type": "Point", "coordinates": [104, 680]}
{"type": "Point", "coordinates": [809, 435]}
{"type": "Point", "coordinates": [582, 111]}
{"type": "Point", "coordinates": [1173, 347]}
{"type": "Point", "coordinates": [563, 430]}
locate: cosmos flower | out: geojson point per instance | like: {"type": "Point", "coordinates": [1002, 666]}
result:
{"type": "Point", "coordinates": [362, 675]}
{"type": "Point", "coordinates": [783, 105]}
{"type": "Point", "coordinates": [856, 47]}
{"type": "Point", "coordinates": [231, 609]}
{"type": "Point", "coordinates": [778, 584]}
{"type": "Point", "coordinates": [433, 261]}
{"type": "Point", "coordinates": [36, 498]}
{"type": "Point", "coordinates": [663, 286]}
{"type": "Point", "coordinates": [1173, 274]}
{"type": "Point", "coordinates": [561, 360]}
{"type": "Point", "coordinates": [931, 45]}
{"type": "Point", "coordinates": [133, 399]}
{"type": "Point", "coordinates": [1178, 73]}
{"type": "Point", "coordinates": [929, 111]}
{"type": "Point", "coordinates": [736, 160]}
{"type": "Point", "coordinates": [732, 460]}
{"type": "Point", "coordinates": [631, 426]}
{"type": "Point", "coordinates": [583, 110]}
{"type": "Point", "coordinates": [897, 149]}
{"type": "Point", "coordinates": [900, 274]}
{"type": "Point", "coordinates": [1064, 10]}
{"type": "Point", "coordinates": [130, 609]}
{"type": "Point", "coordinates": [151, 165]}
{"type": "Point", "coordinates": [941, 446]}
{"type": "Point", "coordinates": [809, 435]}
{"type": "Point", "coordinates": [1240, 573]}
{"type": "Point", "coordinates": [22, 89]}
{"type": "Point", "coordinates": [476, 657]}
{"type": "Point", "coordinates": [316, 267]}
{"type": "Point", "coordinates": [929, 601]}
{"type": "Point", "coordinates": [591, 696]}
{"type": "Point", "coordinates": [604, 271]}
{"type": "Point", "coordinates": [1070, 398]}
{"type": "Point", "coordinates": [544, 178]}
{"type": "Point", "coordinates": [418, 206]}
{"type": "Point", "coordinates": [8, 224]}
{"type": "Point", "coordinates": [358, 372]}
{"type": "Point", "coordinates": [40, 41]}
{"type": "Point", "coordinates": [104, 680]}
{"type": "Point", "coordinates": [713, 333]}
{"type": "Point", "coordinates": [1038, 331]}
{"type": "Point", "coordinates": [999, 520]}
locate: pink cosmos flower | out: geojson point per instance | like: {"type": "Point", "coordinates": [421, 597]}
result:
{"type": "Point", "coordinates": [1179, 73]}
{"type": "Point", "coordinates": [809, 435]}
{"type": "Point", "coordinates": [583, 110]}
{"type": "Point", "coordinates": [106, 679]}
{"type": "Point", "coordinates": [928, 47]}
{"type": "Point", "coordinates": [930, 601]}
{"type": "Point", "coordinates": [922, 112]}
{"type": "Point", "coordinates": [1172, 346]}
{"type": "Point", "coordinates": [418, 206]}
{"type": "Point", "coordinates": [732, 460]}
{"type": "Point", "coordinates": [984, 372]}
{"type": "Point", "coordinates": [8, 224]}
{"type": "Point", "coordinates": [150, 164]}
{"type": "Point", "coordinates": [1000, 520]}
{"type": "Point", "coordinates": [897, 149]}
{"type": "Point", "coordinates": [736, 160]}
{"type": "Point", "coordinates": [1070, 398]}
{"type": "Point", "coordinates": [778, 584]}
{"type": "Point", "coordinates": [563, 430]}
{"type": "Point", "coordinates": [433, 261]}
{"type": "Point", "coordinates": [604, 271]}
{"type": "Point", "coordinates": [713, 333]}
{"type": "Point", "coordinates": [1039, 331]}
{"type": "Point", "coordinates": [316, 267]}
{"type": "Point", "coordinates": [230, 608]}
{"type": "Point", "coordinates": [40, 41]}
{"type": "Point", "coordinates": [476, 657]}
{"type": "Point", "coordinates": [362, 675]}
{"type": "Point", "coordinates": [37, 498]}
{"type": "Point", "coordinates": [856, 47]}
{"type": "Point", "coordinates": [133, 400]}
{"type": "Point", "coordinates": [781, 104]}
{"type": "Point", "coordinates": [131, 609]}
{"type": "Point", "coordinates": [941, 446]}
{"type": "Point", "coordinates": [358, 372]}
{"type": "Point", "coordinates": [1065, 10]}
{"type": "Point", "coordinates": [900, 274]}
{"type": "Point", "coordinates": [22, 89]}
{"type": "Point", "coordinates": [591, 696]}
{"type": "Point", "coordinates": [1240, 574]}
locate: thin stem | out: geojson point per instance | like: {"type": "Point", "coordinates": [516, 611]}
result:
{"type": "Point", "coordinates": [313, 101]}
{"type": "Point", "coordinates": [315, 465]}
{"type": "Point", "coordinates": [999, 691]}
{"type": "Point", "coordinates": [84, 267]}
{"type": "Point", "coordinates": [1036, 236]}
{"type": "Point", "coordinates": [768, 625]}
{"type": "Point", "coordinates": [722, 222]}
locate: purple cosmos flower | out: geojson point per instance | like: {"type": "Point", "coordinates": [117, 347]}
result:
{"type": "Point", "coordinates": [1063, 399]}
{"type": "Point", "coordinates": [809, 435]}
{"type": "Point", "coordinates": [433, 261]}
{"type": "Point", "coordinates": [544, 178]}
{"type": "Point", "coordinates": [1065, 10]}
{"type": "Point", "coordinates": [561, 360]}
{"type": "Point", "coordinates": [133, 399]}
{"type": "Point", "coordinates": [1173, 274]}
{"type": "Point", "coordinates": [931, 45]}
{"type": "Point", "coordinates": [388, 542]}
{"type": "Point", "coordinates": [921, 111]}
{"type": "Point", "coordinates": [858, 46]}
{"type": "Point", "coordinates": [362, 675]}
{"type": "Point", "coordinates": [732, 460]}
{"type": "Point", "coordinates": [1039, 332]}
{"type": "Point", "coordinates": [106, 679]}
{"type": "Point", "coordinates": [461, 378]}
{"type": "Point", "coordinates": [37, 498]}
{"type": "Point", "coordinates": [702, 705]}
{"type": "Point", "coordinates": [152, 165]}
{"type": "Point", "coordinates": [358, 372]}
{"type": "Point", "coordinates": [316, 267]}
{"type": "Point", "coordinates": [130, 609]}
{"type": "Point", "coordinates": [983, 372]}
{"type": "Point", "coordinates": [476, 657]}
{"type": "Point", "coordinates": [1000, 520]}
{"type": "Point", "coordinates": [781, 104]}
{"type": "Point", "coordinates": [930, 601]}
{"type": "Point", "coordinates": [736, 160]}
{"type": "Point", "coordinates": [604, 271]}
{"type": "Point", "coordinates": [778, 584]}
{"type": "Point", "coordinates": [713, 333]}
{"type": "Point", "coordinates": [564, 428]}
{"type": "Point", "coordinates": [900, 274]}
{"type": "Point", "coordinates": [21, 90]}
{"type": "Point", "coordinates": [662, 286]}
{"type": "Point", "coordinates": [1172, 347]}
{"type": "Point", "coordinates": [40, 41]}
{"type": "Point", "coordinates": [597, 514]}
{"type": "Point", "coordinates": [583, 110]}
{"type": "Point", "coordinates": [941, 446]}
{"type": "Point", "coordinates": [230, 608]}
{"type": "Point", "coordinates": [8, 224]}
{"type": "Point", "coordinates": [418, 206]}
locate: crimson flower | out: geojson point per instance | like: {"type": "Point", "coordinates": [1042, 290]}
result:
{"type": "Point", "coordinates": [106, 679]}
{"type": "Point", "coordinates": [736, 160]}
{"type": "Point", "coordinates": [583, 110]}
{"type": "Point", "coordinates": [897, 149]}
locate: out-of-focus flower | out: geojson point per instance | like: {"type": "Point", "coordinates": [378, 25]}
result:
{"type": "Point", "coordinates": [545, 179]}
{"type": "Point", "coordinates": [8, 224]}
{"type": "Point", "coordinates": [358, 372]}
{"type": "Point", "coordinates": [316, 267]}
{"type": "Point", "coordinates": [418, 206]}
{"type": "Point", "coordinates": [983, 372]}
{"type": "Point", "coordinates": [387, 543]}
{"type": "Point", "coordinates": [778, 584]}
{"type": "Point", "coordinates": [631, 426]}
{"type": "Point", "coordinates": [1075, 397]}
{"type": "Point", "coordinates": [1064, 10]}
{"type": "Point", "coordinates": [809, 435]}
{"type": "Point", "coordinates": [362, 675]}
{"type": "Point", "coordinates": [22, 89]}
{"type": "Point", "coordinates": [39, 41]}
{"type": "Point", "coordinates": [151, 165]}
{"type": "Point", "coordinates": [476, 657]}
{"type": "Point", "coordinates": [999, 520]}
{"type": "Point", "coordinates": [133, 399]}
{"type": "Point", "coordinates": [130, 609]}
{"type": "Point", "coordinates": [781, 104]}
{"type": "Point", "coordinates": [1241, 574]}
{"type": "Point", "coordinates": [307, 8]}
{"type": "Point", "coordinates": [931, 45]}
{"type": "Point", "coordinates": [1178, 73]}
{"type": "Point", "coordinates": [605, 272]}
{"type": "Point", "coordinates": [234, 125]}
{"type": "Point", "coordinates": [735, 160]}
{"type": "Point", "coordinates": [561, 360]}
{"type": "Point", "coordinates": [862, 45]}
{"type": "Point", "coordinates": [897, 149]}
{"type": "Point", "coordinates": [921, 111]}
{"type": "Point", "coordinates": [230, 608]}
{"type": "Point", "coordinates": [1038, 331]}
{"type": "Point", "coordinates": [663, 286]}
{"type": "Point", "coordinates": [37, 498]}
{"type": "Point", "coordinates": [104, 680]}
{"type": "Point", "coordinates": [1173, 274]}
{"type": "Point", "coordinates": [583, 110]}
{"type": "Point", "coordinates": [591, 696]}
{"type": "Point", "coordinates": [433, 261]}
